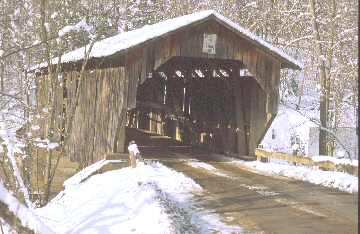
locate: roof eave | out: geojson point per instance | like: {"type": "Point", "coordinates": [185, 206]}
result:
{"type": "Point", "coordinates": [285, 63]}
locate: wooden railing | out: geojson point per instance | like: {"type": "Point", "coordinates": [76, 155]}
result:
{"type": "Point", "coordinates": [265, 156]}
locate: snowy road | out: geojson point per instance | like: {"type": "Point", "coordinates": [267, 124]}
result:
{"type": "Point", "coordinates": [265, 204]}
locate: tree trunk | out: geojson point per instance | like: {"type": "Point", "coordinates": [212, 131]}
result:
{"type": "Point", "coordinates": [51, 102]}
{"type": "Point", "coordinates": [324, 93]}
{"type": "Point", "coordinates": [2, 74]}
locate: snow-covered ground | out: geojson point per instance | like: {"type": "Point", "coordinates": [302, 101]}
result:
{"type": "Point", "coordinates": [333, 179]}
{"type": "Point", "coordinates": [148, 198]}
{"type": "Point", "coordinates": [338, 161]}
{"type": "Point", "coordinates": [207, 167]}
{"type": "Point", "coordinates": [290, 130]}
{"type": "Point", "coordinates": [85, 173]}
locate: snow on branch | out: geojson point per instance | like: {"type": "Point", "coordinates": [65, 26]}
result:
{"type": "Point", "coordinates": [332, 133]}
{"type": "Point", "coordinates": [75, 28]}
{"type": "Point", "coordinates": [10, 207]}
{"type": "Point", "coordinates": [45, 143]}
{"type": "Point", "coordinates": [14, 146]}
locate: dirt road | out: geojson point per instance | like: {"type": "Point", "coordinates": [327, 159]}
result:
{"type": "Point", "coordinates": [264, 204]}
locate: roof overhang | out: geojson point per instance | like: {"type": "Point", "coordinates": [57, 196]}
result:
{"type": "Point", "coordinates": [122, 43]}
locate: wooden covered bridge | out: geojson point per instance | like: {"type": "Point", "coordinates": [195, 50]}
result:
{"type": "Point", "coordinates": [200, 79]}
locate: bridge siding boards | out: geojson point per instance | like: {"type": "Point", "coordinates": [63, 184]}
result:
{"type": "Point", "coordinates": [96, 121]}
{"type": "Point", "coordinates": [99, 119]}
{"type": "Point", "coordinates": [110, 88]}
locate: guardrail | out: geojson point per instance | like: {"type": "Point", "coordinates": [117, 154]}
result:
{"type": "Point", "coordinates": [264, 156]}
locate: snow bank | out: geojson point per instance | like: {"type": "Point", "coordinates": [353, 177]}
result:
{"type": "Point", "coordinates": [333, 179]}
{"type": "Point", "coordinates": [338, 161]}
{"type": "Point", "coordinates": [25, 215]}
{"type": "Point", "coordinates": [148, 198]}
{"type": "Point", "coordinates": [207, 167]}
{"type": "Point", "coordinates": [85, 173]}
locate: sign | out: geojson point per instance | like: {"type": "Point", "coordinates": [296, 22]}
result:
{"type": "Point", "coordinates": [209, 44]}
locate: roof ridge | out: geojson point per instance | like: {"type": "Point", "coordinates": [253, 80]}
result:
{"type": "Point", "coordinates": [126, 40]}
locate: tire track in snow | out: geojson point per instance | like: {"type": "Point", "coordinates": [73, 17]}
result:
{"type": "Point", "coordinates": [181, 218]}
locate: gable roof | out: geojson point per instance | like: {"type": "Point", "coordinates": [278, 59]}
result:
{"type": "Point", "coordinates": [127, 40]}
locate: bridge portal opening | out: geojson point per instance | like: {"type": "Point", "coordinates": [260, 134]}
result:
{"type": "Point", "coordinates": [195, 101]}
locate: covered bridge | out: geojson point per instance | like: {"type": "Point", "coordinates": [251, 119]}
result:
{"type": "Point", "coordinates": [200, 79]}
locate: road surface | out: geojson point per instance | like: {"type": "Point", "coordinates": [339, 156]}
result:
{"type": "Point", "coordinates": [264, 204]}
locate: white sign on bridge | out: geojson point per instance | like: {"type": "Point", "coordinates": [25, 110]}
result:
{"type": "Point", "coordinates": [209, 44]}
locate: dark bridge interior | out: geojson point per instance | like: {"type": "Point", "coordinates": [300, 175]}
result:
{"type": "Point", "coordinates": [192, 102]}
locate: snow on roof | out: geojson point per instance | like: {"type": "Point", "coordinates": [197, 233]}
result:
{"type": "Point", "coordinates": [127, 40]}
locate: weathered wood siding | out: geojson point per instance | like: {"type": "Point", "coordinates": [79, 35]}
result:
{"type": "Point", "coordinates": [253, 115]}
{"type": "Point", "coordinates": [99, 120]}
{"type": "Point", "coordinates": [107, 93]}
{"type": "Point", "coordinates": [100, 116]}
{"type": "Point", "coordinates": [45, 95]}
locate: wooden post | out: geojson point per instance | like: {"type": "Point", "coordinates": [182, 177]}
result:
{"type": "Point", "coordinates": [150, 121]}
{"type": "Point", "coordinates": [241, 131]}
{"type": "Point", "coordinates": [177, 132]}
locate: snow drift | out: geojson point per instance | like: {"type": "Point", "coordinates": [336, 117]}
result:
{"type": "Point", "coordinates": [332, 179]}
{"type": "Point", "coordinates": [149, 197]}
